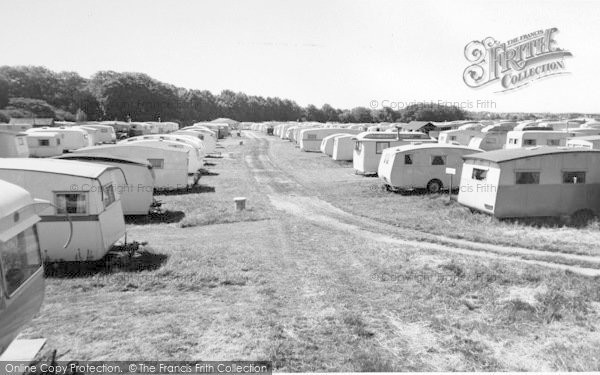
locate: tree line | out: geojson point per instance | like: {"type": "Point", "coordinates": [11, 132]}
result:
{"type": "Point", "coordinates": [34, 91]}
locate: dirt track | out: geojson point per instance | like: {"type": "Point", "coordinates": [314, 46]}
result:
{"type": "Point", "coordinates": [290, 193]}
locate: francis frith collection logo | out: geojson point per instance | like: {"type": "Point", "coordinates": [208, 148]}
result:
{"type": "Point", "coordinates": [515, 63]}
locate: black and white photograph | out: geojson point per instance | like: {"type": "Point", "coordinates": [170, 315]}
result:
{"type": "Point", "coordinates": [315, 186]}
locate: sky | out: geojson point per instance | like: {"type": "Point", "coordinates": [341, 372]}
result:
{"type": "Point", "coordinates": [346, 53]}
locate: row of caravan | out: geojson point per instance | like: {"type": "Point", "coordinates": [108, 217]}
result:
{"type": "Point", "coordinates": [530, 173]}
{"type": "Point", "coordinates": [71, 208]}
{"type": "Point", "coordinates": [95, 187]}
{"type": "Point", "coordinates": [51, 141]}
{"type": "Point", "coordinates": [540, 181]}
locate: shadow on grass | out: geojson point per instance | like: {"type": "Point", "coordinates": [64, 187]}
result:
{"type": "Point", "coordinates": [112, 263]}
{"type": "Point", "coordinates": [206, 172]}
{"type": "Point", "coordinates": [207, 164]}
{"type": "Point", "coordinates": [213, 156]}
{"type": "Point", "coordinates": [196, 189]}
{"type": "Point", "coordinates": [553, 222]}
{"type": "Point", "coordinates": [164, 217]}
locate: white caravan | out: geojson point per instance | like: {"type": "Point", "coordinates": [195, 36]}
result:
{"type": "Point", "coordinates": [210, 143]}
{"type": "Point", "coordinates": [106, 133]}
{"type": "Point", "coordinates": [488, 141]}
{"type": "Point", "coordinates": [310, 139]}
{"type": "Point", "coordinates": [170, 165]}
{"type": "Point", "coordinates": [591, 142]}
{"type": "Point", "coordinates": [532, 182]}
{"type": "Point", "coordinates": [458, 136]}
{"type": "Point", "coordinates": [21, 270]}
{"type": "Point", "coordinates": [14, 127]}
{"type": "Point", "coordinates": [44, 144]}
{"type": "Point", "coordinates": [530, 138]}
{"type": "Point", "coordinates": [423, 166]}
{"type": "Point", "coordinates": [84, 191]}
{"type": "Point", "coordinates": [198, 144]}
{"type": "Point", "coordinates": [70, 138]}
{"type": "Point", "coordinates": [370, 145]}
{"type": "Point", "coordinates": [343, 147]}
{"type": "Point", "coordinates": [137, 185]}
{"type": "Point", "coordinates": [195, 161]}
{"type": "Point", "coordinates": [13, 145]}
{"type": "Point", "coordinates": [93, 134]}
{"type": "Point", "coordinates": [327, 143]}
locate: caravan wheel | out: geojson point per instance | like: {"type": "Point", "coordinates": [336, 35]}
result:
{"type": "Point", "coordinates": [434, 186]}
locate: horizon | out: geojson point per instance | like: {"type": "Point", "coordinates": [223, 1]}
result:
{"type": "Point", "coordinates": [346, 54]}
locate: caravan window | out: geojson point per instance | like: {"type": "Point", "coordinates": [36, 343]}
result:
{"type": "Point", "coordinates": [438, 160]}
{"type": "Point", "coordinates": [44, 142]}
{"type": "Point", "coordinates": [58, 141]}
{"type": "Point", "coordinates": [553, 142]}
{"type": "Point", "coordinates": [408, 159]}
{"type": "Point", "coordinates": [529, 142]}
{"type": "Point", "coordinates": [380, 146]}
{"type": "Point", "coordinates": [573, 177]}
{"type": "Point", "coordinates": [157, 163]}
{"type": "Point", "coordinates": [512, 141]}
{"type": "Point", "coordinates": [479, 174]}
{"type": "Point", "coordinates": [453, 138]}
{"type": "Point", "coordinates": [527, 178]}
{"type": "Point", "coordinates": [71, 203]}
{"type": "Point", "coordinates": [108, 193]}
{"type": "Point", "coordinates": [20, 258]}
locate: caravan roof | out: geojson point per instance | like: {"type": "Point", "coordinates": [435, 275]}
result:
{"type": "Point", "coordinates": [13, 198]}
{"type": "Point", "coordinates": [48, 133]}
{"type": "Point", "coordinates": [382, 135]}
{"type": "Point", "coordinates": [103, 157]}
{"type": "Point", "coordinates": [501, 156]}
{"type": "Point", "coordinates": [56, 166]}
{"type": "Point", "coordinates": [420, 146]}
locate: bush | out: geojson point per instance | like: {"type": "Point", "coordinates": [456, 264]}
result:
{"type": "Point", "coordinates": [38, 107]}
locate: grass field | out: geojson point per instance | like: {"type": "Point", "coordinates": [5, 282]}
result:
{"type": "Point", "coordinates": [264, 285]}
{"type": "Point", "coordinates": [365, 196]}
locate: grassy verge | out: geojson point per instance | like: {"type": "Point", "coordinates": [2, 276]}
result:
{"type": "Point", "coordinates": [364, 196]}
{"type": "Point", "coordinates": [434, 214]}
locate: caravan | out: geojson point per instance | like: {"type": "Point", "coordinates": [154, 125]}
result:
{"type": "Point", "coordinates": [195, 160]}
{"type": "Point", "coordinates": [592, 142]}
{"type": "Point", "coordinates": [311, 138]}
{"type": "Point", "coordinates": [369, 146]}
{"type": "Point", "coordinates": [538, 137]}
{"type": "Point", "coordinates": [343, 147]}
{"type": "Point", "coordinates": [170, 165]}
{"type": "Point", "coordinates": [209, 141]}
{"type": "Point", "coordinates": [181, 138]}
{"type": "Point", "coordinates": [84, 191]}
{"type": "Point", "coordinates": [13, 145]}
{"type": "Point", "coordinates": [488, 141]}
{"type": "Point", "coordinates": [532, 182]}
{"type": "Point", "coordinates": [458, 136]}
{"type": "Point", "coordinates": [21, 270]}
{"type": "Point", "coordinates": [106, 133]}
{"type": "Point", "coordinates": [422, 166]}
{"type": "Point", "coordinates": [70, 138]}
{"type": "Point", "coordinates": [44, 144]}
{"type": "Point", "coordinates": [135, 187]}
{"type": "Point", "coordinates": [327, 142]}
